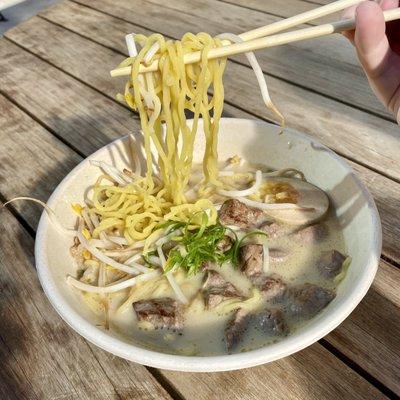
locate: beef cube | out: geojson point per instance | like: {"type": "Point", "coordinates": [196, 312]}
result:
{"type": "Point", "coordinates": [161, 313]}
{"type": "Point", "coordinates": [271, 322]}
{"type": "Point", "coordinates": [305, 301]}
{"type": "Point", "coordinates": [236, 328]}
{"type": "Point", "coordinates": [233, 212]}
{"type": "Point", "coordinates": [251, 259]}
{"type": "Point", "coordinates": [272, 288]}
{"type": "Point", "coordinates": [312, 234]}
{"type": "Point", "coordinates": [216, 290]}
{"type": "Point", "coordinates": [251, 263]}
{"type": "Point", "coordinates": [330, 264]}
{"type": "Point", "coordinates": [274, 229]}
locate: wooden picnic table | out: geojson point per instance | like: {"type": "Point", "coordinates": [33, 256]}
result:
{"type": "Point", "coordinates": [58, 106]}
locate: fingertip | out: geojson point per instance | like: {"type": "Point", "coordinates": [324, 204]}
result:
{"type": "Point", "coordinates": [370, 26]}
{"type": "Point", "coordinates": [367, 8]}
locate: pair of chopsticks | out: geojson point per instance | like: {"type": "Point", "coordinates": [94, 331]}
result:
{"type": "Point", "coordinates": [258, 38]}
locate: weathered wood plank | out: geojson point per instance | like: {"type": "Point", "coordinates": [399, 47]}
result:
{"type": "Point", "coordinates": [351, 132]}
{"type": "Point", "coordinates": [357, 336]}
{"type": "Point", "coordinates": [265, 382]}
{"type": "Point", "coordinates": [61, 102]}
{"type": "Point", "coordinates": [290, 8]}
{"type": "Point", "coordinates": [275, 7]}
{"type": "Point", "coordinates": [43, 357]}
{"type": "Point", "coordinates": [229, 110]}
{"type": "Point", "coordinates": [66, 50]}
{"type": "Point", "coordinates": [314, 66]}
{"type": "Point", "coordinates": [22, 139]}
{"type": "Point", "coordinates": [32, 332]}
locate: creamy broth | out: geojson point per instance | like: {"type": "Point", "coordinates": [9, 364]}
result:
{"type": "Point", "coordinates": [203, 331]}
{"type": "Point", "coordinates": [294, 257]}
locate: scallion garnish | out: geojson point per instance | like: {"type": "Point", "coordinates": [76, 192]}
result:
{"type": "Point", "coordinates": [200, 245]}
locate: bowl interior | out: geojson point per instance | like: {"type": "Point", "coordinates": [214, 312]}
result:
{"type": "Point", "coordinates": [257, 142]}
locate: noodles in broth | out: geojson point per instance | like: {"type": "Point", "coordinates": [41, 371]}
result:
{"type": "Point", "coordinates": [151, 239]}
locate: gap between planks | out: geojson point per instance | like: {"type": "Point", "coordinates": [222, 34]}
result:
{"type": "Point", "coordinates": [356, 367]}
{"type": "Point", "coordinates": [308, 5]}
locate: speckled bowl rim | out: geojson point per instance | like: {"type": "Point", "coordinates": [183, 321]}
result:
{"type": "Point", "coordinates": [284, 348]}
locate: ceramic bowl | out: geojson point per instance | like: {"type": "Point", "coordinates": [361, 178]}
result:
{"type": "Point", "coordinates": [257, 142]}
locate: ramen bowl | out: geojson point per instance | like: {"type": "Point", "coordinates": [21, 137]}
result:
{"type": "Point", "coordinates": [257, 142]}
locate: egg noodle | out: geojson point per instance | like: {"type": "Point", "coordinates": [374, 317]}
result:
{"type": "Point", "coordinates": [162, 98]}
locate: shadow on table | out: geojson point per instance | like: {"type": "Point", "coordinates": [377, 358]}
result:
{"type": "Point", "coordinates": [14, 337]}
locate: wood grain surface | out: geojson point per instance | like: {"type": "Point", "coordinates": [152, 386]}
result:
{"type": "Point", "coordinates": [57, 105]}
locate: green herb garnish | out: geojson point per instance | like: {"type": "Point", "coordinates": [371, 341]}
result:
{"type": "Point", "coordinates": [198, 245]}
{"type": "Point", "coordinates": [146, 259]}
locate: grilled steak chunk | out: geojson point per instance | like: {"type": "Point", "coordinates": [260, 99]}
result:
{"type": "Point", "coordinates": [271, 322]}
{"type": "Point", "coordinates": [272, 288]}
{"type": "Point", "coordinates": [251, 263]}
{"type": "Point", "coordinates": [274, 229]}
{"type": "Point", "coordinates": [251, 259]}
{"type": "Point", "coordinates": [161, 313]}
{"type": "Point", "coordinates": [305, 301]}
{"type": "Point", "coordinates": [330, 264]}
{"type": "Point", "coordinates": [236, 328]}
{"type": "Point", "coordinates": [312, 234]}
{"type": "Point", "coordinates": [233, 212]}
{"type": "Point", "coordinates": [216, 289]}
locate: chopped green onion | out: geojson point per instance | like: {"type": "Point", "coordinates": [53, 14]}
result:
{"type": "Point", "coordinates": [199, 244]}
{"type": "Point", "coordinates": [146, 260]}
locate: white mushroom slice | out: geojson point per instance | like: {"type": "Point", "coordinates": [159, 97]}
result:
{"type": "Point", "coordinates": [312, 201]}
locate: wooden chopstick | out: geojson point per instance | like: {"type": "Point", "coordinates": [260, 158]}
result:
{"type": "Point", "coordinates": [278, 26]}
{"type": "Point", "coordinates": [298, 19]}
{"type": "Point", "coordinates": [265, 42]}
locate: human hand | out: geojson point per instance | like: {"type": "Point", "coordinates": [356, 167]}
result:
{"type": "Point", "coordinates": [378, 49]}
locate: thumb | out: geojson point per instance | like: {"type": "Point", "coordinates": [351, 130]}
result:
{"type": "Point", "coordinates": [370, 38]}
{"type": "Point", "coordinates": [380, 63]}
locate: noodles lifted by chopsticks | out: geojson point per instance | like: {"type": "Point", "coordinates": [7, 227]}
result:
{"type": "Point", "coordinates": [163, 97]}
